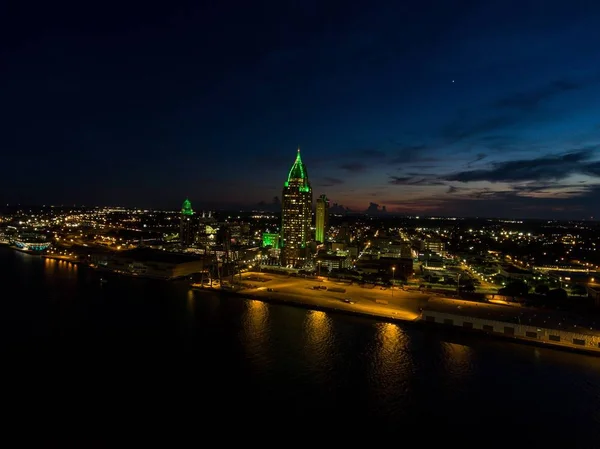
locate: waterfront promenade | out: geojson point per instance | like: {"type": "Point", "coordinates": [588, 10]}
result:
{"type": "Point", "coordinates": [398, 304]}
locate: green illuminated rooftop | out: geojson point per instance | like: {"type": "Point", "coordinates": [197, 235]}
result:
{"type": "Point", "coordinates": [298, 170]}
{"type": "Point", "coordinates": [270, 239]}
{"type": "Point", "coordinates": [298, 175]}
{"type": "Point", "coordinates": [186, 209]}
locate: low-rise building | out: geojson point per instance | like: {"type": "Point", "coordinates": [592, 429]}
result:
{"type": "Point", "coordinates": [150, 263]}
{"type": "Point", "coordinates": [333, 261]}
{"type": "Point", "coordinates": [594, 293]}
{"type": "Point", "coordinates": [512, 272]}
{"type": "Point", "coordinates": [270, 239]}
{"type": "Point", "coordinates": [434, 245]}
{"type": "Point", "coordinates": [397, 267]}
{"type": "Point", "coordinates": [570, 277]}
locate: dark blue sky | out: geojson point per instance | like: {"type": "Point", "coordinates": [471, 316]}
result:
{"type": "Point", "coordinates": [434, 107]}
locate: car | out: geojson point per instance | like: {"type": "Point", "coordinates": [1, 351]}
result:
{"type": "Point", "coordinates": [348, 301]}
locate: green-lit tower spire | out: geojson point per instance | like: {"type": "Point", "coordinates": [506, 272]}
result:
{"type": "Point", "coordinates": [298, 173]}
{"type": "Point", "coordinates": [186, 209]}
{"type": "Point", "coordinates": [296, 214]}
{"type": "Point", "coordinates": [187, 228]}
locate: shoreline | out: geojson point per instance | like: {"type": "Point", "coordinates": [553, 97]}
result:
{"type": "Point", "coordinates": [421, 310]}
{"type": "Point", "coordinates": [305, 305]}
{"type": "Point", "coordinates": [390, 317]}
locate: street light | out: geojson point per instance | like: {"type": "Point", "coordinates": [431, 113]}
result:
{"type": "Point", "coordinates": [458, 283]}
{"type": "Point", "coordinates": [393, 278]}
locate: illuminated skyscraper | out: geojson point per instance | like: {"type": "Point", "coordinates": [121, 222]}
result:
{"type": "Point", "coordinates": [187, 228]}
{"type": "Point", "coordinates": [296, 214]}
{"type": "Point", "coordinates": [322, 219]}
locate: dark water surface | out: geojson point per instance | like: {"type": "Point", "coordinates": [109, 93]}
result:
{"type": "Point", "coordinates": [145, 359]}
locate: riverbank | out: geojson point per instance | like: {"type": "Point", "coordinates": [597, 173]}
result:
{"type": "Point", "coordinates": [387, 315]}
{"type": "Point", "coordinates": [25, 251]}
{"type": "Point", "coordinates": [527, 326]}
{"type": "Point", "coordinates": [69, 259]}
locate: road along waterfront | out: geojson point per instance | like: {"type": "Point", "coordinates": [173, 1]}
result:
{"type": "Point", "coordinates": [527, 325]}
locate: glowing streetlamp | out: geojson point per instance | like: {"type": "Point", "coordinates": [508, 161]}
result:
{"type": "Point", "coordinates": [393, 278]}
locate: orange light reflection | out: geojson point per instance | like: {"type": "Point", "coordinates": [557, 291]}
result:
{"type": "Point", "coordinates": [319, 339]}
{"type": "Point", "coordinates": [256, 328]}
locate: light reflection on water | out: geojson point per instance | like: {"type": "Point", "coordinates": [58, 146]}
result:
{"type": "Point", "coordinates": [319, 341]}
{"type": "Point", "coordinates": [391, 361]}
{"type": "Point", "coordinates": [256, 331]}
{"type": "Point", "coordinates": [59, 269]}
{"type": "Point", "coordinates": [457, 360]}
{"type": "Point", "coordinates": [191, 302]}
{"type": "Point", "coordinates": [292, 360]}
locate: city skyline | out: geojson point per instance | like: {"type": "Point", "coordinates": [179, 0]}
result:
{"type": "Point", "coordinates": [440, 109]}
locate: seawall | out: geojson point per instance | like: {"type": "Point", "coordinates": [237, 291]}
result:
{"type": "Point", "coordinates": [292, 300]}
{"type": "Point", "coordinates": [520, 332]}
{"type": "Point", "coordinates": [517, 333]}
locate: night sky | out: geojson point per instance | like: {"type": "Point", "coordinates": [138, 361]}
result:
{"type": "Point", "coordinates": [478, 108]}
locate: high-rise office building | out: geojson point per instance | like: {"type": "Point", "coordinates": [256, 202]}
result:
{"type": "Point", "coordinates": [322, 219]}
{"type": "Point", "coordinates": [187, 228]}
{"type": "Point", "coordinates": [296, 214]}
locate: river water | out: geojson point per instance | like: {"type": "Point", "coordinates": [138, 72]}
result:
{"type": "Point", "coordinates": [90, 362]}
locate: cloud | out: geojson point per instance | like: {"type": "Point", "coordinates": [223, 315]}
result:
{"type": "Point", "coordinates": [410, 153]}
{"type": "Point", "coordinates": [527, 101]}
{"type": "Point", "coordinates": [390, 152]}
{"type": "Point", "coordinates": [373, 207]}
{"type": "Point", "coordinates": [501, 204]}
{"type": "Point", "coordinates": [534, 187]}
{"type": "Point", "coordinates": [330, 182]}
{"type": "Point", "coordinates": [551, 190]}
{"type": "Point", "coordinates": [592, 169]}
{"type": "Point", "coordinates": [478, 157]}
{"type": "Point", "coordinates": [400, 180]}
{"type": "Point", "coordinates": [422, 205]}
{"type": "Point", "coordinates": [508, 111]}
{"type": "Point", "coordinates": [414, 181]}
{"type": "Point", "coordinates": [462, 130]}
{"type": "Point", "coordinates": [547, 168]}
{"type": "Point", "coordinates": [354, 167]}
{"type": "Point", "coordinates": [532, 190]}
{"type": "Point", "coordinates": [515, 202]}
{"type": "Point", "coordinates": [418, 167]}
